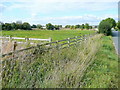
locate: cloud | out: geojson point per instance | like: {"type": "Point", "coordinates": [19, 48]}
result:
{"type": "Point", "coordinates": [60, 1]}
{"type": "Point", "coordinates": [72, 20]}
{"type": "Point", "coordinates": [44, 11]}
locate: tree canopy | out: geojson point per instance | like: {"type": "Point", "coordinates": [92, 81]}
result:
{"type": "Point", "coordinates": [105, 27]}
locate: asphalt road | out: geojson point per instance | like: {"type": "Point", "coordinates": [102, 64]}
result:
{"type": "Point", "coordinates": [116, 40]}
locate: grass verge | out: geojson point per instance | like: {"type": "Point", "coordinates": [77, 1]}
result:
{"type": "Point", "coordinates": [103, 73]}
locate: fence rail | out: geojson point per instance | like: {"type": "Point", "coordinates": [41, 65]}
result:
{"type": "Point", "coordinates": [57, 44]}
{"type": "Point", "coordinates": [38, 39]}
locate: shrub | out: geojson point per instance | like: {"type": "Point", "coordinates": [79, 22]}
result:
{"type": "Point", "coordinates": [105, 27]}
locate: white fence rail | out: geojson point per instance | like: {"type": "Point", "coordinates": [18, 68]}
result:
{"type": "Point", "coordinates": [37, 39]}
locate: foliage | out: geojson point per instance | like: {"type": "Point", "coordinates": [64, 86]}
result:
{"type": "Point", "coordinates": [105, 27]}
{"type": "Point", "coordinates": [111, 21]}
{"type": "Point", "coordinates": [26, 26]}
{"type": "Point", "coordinates": [34, 26]}
{"type": "Point", "coordinates": [57, 68]}
{"type": "Point", "coordinates": [16, 26]}
{"type": "Point", "coordinates": [39, 26]}
{"type": "Point", "coordinates": [86, 26]}
{"type": "Point", "coordinates": [103, 73]}
{"type": "Point", "coordinates": [118, 25]}
{"type": "Point", "coordinates": [82, 26]}
{"type": "Point", "coordinates": [49, 26]}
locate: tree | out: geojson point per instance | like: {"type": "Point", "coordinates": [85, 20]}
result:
{"type": "Point", "coordinates": [111, 21]}
{"type": "Point", "coordinates": [57, 27]}
{"type": "Point", "coordinates": [90, 27]}
{"type": "Point", "coordinates": [105, 27]}
{"type": "Point", "coordinates": [2, 26]}
{"type": "Point", "coordinates": [86, 26]}
{"type": "Point", "coordinates": [8, 26]}
{"type": "Point", "coordinates": [19, 26]}
{"type": "Point", "coordinates": [82, 26]}
{"type": "Point", "coordinates": [49, 26]}
{"type": "Point", "coordinates": [77, 26]}
{"type": "Point", "coordinates": [60, 26]}
{"type": "Point", "coordinates": [14, 26]}
{"type": "Point", "coordinates": [72, 27]}
{"type": "Point", "coordinates": [39, 26]}
{"type": "Point", "coordinates": [26, 26]}
{"type": "Point", "coordinates": [33, 26]}
{"type": "Point", "coordinates": [118, 25]}
{"type": "Point", "coordinates": [67, 26]}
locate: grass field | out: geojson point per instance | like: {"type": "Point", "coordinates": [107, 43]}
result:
{"type": "Point", "coordinates": [45, 34]}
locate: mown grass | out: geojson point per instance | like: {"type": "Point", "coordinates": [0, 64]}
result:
{"type": "Point", "coordinates": [103, 73]}
{"type": "Point", "coordinates": [45, 34]}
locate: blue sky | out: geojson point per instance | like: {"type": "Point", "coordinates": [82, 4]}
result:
{"type": "Point", "coordinates": [58, 11]}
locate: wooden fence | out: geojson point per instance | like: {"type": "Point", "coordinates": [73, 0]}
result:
{"type": "Point", "coordinates": [17, 63]}
{"type": "Point", "coordinates": [57, 44]}
{"type": "Point", "coordinates": [37, 39]}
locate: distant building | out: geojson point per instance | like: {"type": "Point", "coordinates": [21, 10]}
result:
{"type": "Point", "coordinates": [94, 26]}
{"type": "Point", "coordinates": [44, 27]}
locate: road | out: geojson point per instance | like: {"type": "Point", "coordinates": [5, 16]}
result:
{"type": "Point", "coordinates": [116, 40]}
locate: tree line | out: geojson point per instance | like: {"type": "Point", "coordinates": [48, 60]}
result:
{"type": "Point", "coordinates": [105, 26]}
{"type": "Point", "coordinates": [27, 26]}
{"type": "Point", "coordinates": [83, 26]}
{"type": "Point", "coordinates": [49, 26]}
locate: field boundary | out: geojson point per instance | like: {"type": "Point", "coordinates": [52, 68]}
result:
{"type": "Point", "coordinates": [15, 64]}
{"type": "Point", "coordinates": [57, 44]}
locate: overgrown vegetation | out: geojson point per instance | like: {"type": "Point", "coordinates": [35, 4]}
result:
{"type": "Point", "coordinates": [103, 73]}
{"type": "Point", "coordinates": [58, 68]}
{"type": "Point", "coordinates": [106, 25]}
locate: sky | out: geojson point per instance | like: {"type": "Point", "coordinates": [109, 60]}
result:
{"type": "Point", "coordinates": [60, 12]}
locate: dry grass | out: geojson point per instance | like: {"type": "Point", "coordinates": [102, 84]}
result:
{"type": "Point", "coordinates": [68, 74]}
{"type": "Point", "coordinates": [58, 68]}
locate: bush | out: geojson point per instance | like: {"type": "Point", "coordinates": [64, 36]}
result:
{"type": "Point", "coordinates": [105, 27]}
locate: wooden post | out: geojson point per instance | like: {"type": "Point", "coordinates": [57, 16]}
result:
{"type": "Point", "coordinates": [50, 40]}
{"type": "Point", "coordinates": [68, 42]}
{"type": "Point", "coordinates": [26, 39]}
{"type": "Point", "coordinates": [57, 46]}
{"type": "Point", "coordinates": [76, 38]}
{"type": "Point", "coordinates": [14, 46]}
{"type": "Point", "coordinates": [10, 38]}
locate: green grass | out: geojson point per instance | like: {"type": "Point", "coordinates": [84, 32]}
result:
{"type": "Point", "coordinates": [45, 34]}
{"type": "Point", "coordinates": [54, 69]}
{"type": "Point", "coordinates": [103, 73]}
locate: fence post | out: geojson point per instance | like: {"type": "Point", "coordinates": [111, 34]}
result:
{"type": "Point", "coordinates": [26, 39]}
{"type": "Point", "coordinates": [76, 38]}
{"type": "Point", "coordinates": [68, 42]}
{"type": "Point", "coordinates": [14, 46]}
{"type": "Point", "coordinates": [57, 45]}
{"type": "Point", "coordinates": [10, 38]}
{"type": "Point", "coordinates": [50, 40]}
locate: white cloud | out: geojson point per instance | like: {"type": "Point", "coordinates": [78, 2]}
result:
{"type": "Point", "coordinates": [60, 1]}
{"type": "Point", "coordinates": [38, 7]}
{"type": "Point", "coordinates": [91, 19]}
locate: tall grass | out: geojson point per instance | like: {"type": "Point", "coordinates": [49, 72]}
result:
{"type": "Point", "coordinates": [103, 73]}
{"type": "Point", "coordinates": [58, 68]}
